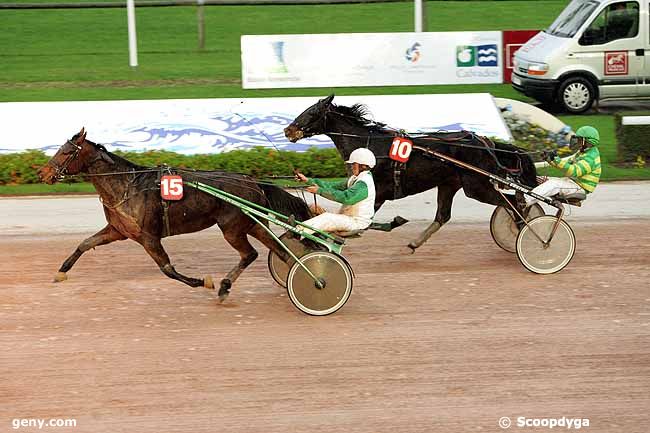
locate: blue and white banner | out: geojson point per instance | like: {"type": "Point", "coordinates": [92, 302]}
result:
{"type": "Point", "coordinates": [371, 59]}
{"type": "Point", "coordinates": [193, 126]}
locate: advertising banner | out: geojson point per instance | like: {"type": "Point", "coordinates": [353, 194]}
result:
{"type": "Point", "coordinates": [371, 59]}
{"type": "Point", "coordinates": [193, 126]}
{"type": "Point", "coordinates": [512, 41]}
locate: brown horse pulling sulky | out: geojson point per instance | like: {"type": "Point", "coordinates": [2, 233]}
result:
{"type": "Point", "coordinates": [134, 209]}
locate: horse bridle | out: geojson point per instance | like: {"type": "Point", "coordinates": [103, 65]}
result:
{"type": "Point", "coordinates": [308, 130]}
{"type": "Point", "coordinates": [60, 171]}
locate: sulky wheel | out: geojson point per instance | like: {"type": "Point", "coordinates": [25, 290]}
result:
{"type": "Point", "coordinates": [504, 229]}
{"type": "Point", "coordinates": [279, 269]}
{"type": "Point", "coordinates": [334, 274]}
{"type": "Point", "coordinates": [542, 256]}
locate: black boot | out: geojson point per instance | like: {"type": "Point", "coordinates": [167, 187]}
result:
{"type": "Point", "coordinates": [397, 222]}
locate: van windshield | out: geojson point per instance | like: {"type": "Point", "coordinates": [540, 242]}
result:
{"type": "Point", "coordinates": [572, 18]}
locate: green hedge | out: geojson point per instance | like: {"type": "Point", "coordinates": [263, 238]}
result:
{"type": "Point", "coordinates": [21, 168]}
{"type": "Point", "coordinates": [633, 141]}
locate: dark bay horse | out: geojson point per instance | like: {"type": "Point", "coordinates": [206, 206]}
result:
{"type": "Point", "coordinates": [134, 210]}
{"type": "Point", "coordinates": [350, 128]}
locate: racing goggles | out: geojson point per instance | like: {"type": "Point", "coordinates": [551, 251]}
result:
{"type": "Point", "coordinates": [576, 142]}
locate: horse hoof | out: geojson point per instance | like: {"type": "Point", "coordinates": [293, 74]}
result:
{"type": "Point", "coordinates": [208, 283]}
{"type": "Point", "coordinates": [224, 290]}
{"type": "Point", "coordinates": [60, 276]}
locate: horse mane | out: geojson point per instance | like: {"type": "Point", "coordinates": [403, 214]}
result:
{"type": "Point", "coordinates": [359, 114]}
{"type": "Point", "coordinates": [95, 145]}
{"type": "Point", "coordinates": [118, 159]}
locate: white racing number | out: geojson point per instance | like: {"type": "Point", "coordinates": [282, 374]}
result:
{"type": "Point", "coordinates": [171, 187]}
{"type": "Point", "coordinates": [401, 149]}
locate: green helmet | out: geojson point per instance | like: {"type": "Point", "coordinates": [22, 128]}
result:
{"type": "Point", "coordinates": [590, 134]}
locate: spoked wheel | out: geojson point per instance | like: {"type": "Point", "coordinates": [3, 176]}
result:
{"type": "Point", "coordinates": [503, 227]}
{"type": "Point", "coordinates": [542, 256]}
{"type": "Point", "coordinates": [279, 269]}
{"type": "Point", "coordinates": [335, 276]}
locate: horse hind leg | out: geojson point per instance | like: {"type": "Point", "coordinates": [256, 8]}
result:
{"type": "Point", "coordinates": [105, 236]}
{"type": "Point", "coordinates": [259, 233]}
{"type": "Point", "coordinates": [154, 248]}
{"type": "Point", "coordinates": [425, 235]}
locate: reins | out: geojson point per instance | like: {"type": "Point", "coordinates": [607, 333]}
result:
{"type": "Point", "coordinates": [450, 141]}
{"type": "Point", "coordinates": [487, 144]}
{"type": "Point", "coordinates": [293, 167]}
{"type": "Point", "coordinates": [237, 180]}
{"type": "Point", "coordinates": [421, 136]}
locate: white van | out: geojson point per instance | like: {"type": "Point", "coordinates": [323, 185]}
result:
{"type": "Point", "coordinates": [595, 49]}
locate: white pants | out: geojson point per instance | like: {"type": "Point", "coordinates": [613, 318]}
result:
{"type": "Point", "coordinates": [554, 186]}
{"type": "Point", "coordinates": [335, 222]}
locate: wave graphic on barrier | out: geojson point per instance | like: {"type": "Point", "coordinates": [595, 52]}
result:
{"type": "Point", "coordinates": [216, 134]}
{"type": "Point", "coordinates": [223, 133]}
{"type": "Point", "coordinates": [487, 51]}
{"type": "Point", "coordinates": [485, 59]}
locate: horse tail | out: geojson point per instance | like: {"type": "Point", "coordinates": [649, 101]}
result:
{"type": "Point", "coordinates": [528, 170]}
{"type": "Point", "coordinates": [517, 157]}
{"type": "Point", "coordinates": [285, 203]}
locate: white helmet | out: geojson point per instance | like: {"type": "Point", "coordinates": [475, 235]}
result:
{"type": "Point", "coordinates": [362, 156]}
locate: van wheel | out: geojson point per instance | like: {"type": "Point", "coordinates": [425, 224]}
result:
{"type": "Point", "coordinates": [576, 95]}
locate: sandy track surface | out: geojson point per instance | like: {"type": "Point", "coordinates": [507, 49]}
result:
{"type": "Point", "coordinates": [447, 340]}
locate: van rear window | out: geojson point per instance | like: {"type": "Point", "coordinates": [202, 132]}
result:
{"type": "Point", "coordinates": [572, 18]}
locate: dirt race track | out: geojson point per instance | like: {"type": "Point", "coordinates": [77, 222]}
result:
{"type": "Point", "coordinates": [450, 339]}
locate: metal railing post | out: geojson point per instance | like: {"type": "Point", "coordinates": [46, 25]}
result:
{"type": "Point", "coordinates": [200, 18]}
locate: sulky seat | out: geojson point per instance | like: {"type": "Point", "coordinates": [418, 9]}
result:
{"type": "Point", "coordinates": [573, 199]}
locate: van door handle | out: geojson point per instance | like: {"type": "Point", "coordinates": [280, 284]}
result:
{"type": "Point", "coordinates": [640, 52]}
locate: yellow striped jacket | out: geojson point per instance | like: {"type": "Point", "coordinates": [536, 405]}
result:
{"type": "Point", "coordinates": [583, 168]}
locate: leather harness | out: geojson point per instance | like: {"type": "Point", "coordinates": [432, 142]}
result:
{"type": "Point", "coordinates": [455, 138]}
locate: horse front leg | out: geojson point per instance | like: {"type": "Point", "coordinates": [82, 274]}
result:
{"type": "Point", "coordinates": [443, 214]}
{"type": "Point", "coordinates": [154, 248]}
{"type": "Point", "coordinates": [239, 241]}
{"type": "Point", "coordinates": [105, 236]}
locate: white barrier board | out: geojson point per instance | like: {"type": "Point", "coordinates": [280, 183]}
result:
{"type": "Point", "coordinates": [371, 59]}
{"type": "Point", "coordinates": [193, 126]}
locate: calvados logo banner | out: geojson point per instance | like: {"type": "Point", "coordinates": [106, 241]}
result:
{"type": "Point", "coordinates": [477, 55]}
